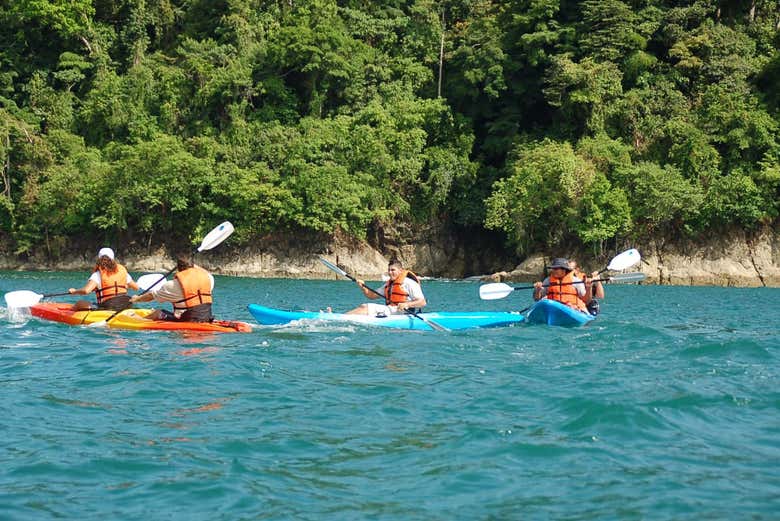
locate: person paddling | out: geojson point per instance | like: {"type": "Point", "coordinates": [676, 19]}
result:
{"type": "Point", "coordinates": [190, 292]}
{"type": "Point", "coordinates": [598, 287]}
{"type": "Point", "coordinates": [401, 292]}
{"type": "Point", "coordinates": [109, 281]}
{"type": "Point", "coordinates": [563, 286]}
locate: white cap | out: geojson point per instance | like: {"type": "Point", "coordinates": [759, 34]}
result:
{"type": "Point", "coordinates": [106, 252]}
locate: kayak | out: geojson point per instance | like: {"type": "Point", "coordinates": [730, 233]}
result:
{"type": "Point", "coordinates": [447, 319]}
{"type": "Point", "coordinates": [130, 319]}
{"type": "Point", "coordinates": [554, 313]}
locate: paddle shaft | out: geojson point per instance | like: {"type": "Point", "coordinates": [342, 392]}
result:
{"type": "Point", "coordinates": [562, 284]}
{"type": "Point", "coordinates": [146, 290]}
{"type": "Point", "coordinates": [548, 285]}
{"type": "Point", "coordinates": [431, 323]}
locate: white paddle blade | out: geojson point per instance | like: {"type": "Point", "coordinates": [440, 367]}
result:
{"type": "Point", "coordinates": [333, 267]}
{"type": "Point", "coordinates": [625, 260]}
{"type": "Point", "coordinates": [628, 277]}
{"type": "Point", "coordinates": [216, 236]}
{"type": "Point", "coordinates": [495, 291]}
{"type": "Point", "coordinates": [22, 299]}
{"type": "Point", "coordinates": [151, 281]}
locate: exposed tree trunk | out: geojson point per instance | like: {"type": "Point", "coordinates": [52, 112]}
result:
{"type": "Point", "coordinates": [441, 54]}
{"type": "Point", "coordinates": [7, 167]}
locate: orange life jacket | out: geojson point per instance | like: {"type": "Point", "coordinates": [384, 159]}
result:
{"type": "Point", "coordinates": [562, 290]}
{"type": "Point", "coordinates": [196, 286]}
{"type": "Point", "coordinates": [111, 284]}
{"type": "Point", "coordinates": [394, 291]}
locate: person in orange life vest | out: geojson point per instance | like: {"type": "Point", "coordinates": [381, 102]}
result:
{"type": "Point", "coordinates": [109, 281]}
{"type": "Point", "coordinates": [402, 292]}
{"type": "Point", "coordinates": [563, 286]}
{"type": "Point", "coordinates": [189, 292]}
{"type": "Point", "coordinates": [598, 287]}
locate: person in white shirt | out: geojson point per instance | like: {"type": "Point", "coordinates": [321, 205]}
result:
{"type": "Point", "coordinates": [402, 292]}
{"type": "Point", "coordinates": [109, 281]}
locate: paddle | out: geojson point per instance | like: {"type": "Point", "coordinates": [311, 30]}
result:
{"type": "Point", "coordinates": [623, 261]}
{"type": "Point", "coordinates": [498, 290]}
{"type": "Point", "coordinates": [343, 273]}
{"type": "Point", "coordinates": [150, 281]}
{"type": "Point", "coordinates": [212, 239]}
{"type": "Point", "coordinates": [24, 298]}
{"type": "Point", "coordinates": [619, 262]}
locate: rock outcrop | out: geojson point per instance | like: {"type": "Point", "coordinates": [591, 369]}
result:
{"type": "Point", "coordinates": [734, 259]}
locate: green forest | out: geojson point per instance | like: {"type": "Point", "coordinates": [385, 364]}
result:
{"type": "Point", "coordinates": [548, 122]}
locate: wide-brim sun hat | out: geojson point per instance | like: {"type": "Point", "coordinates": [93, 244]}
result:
{"type": "Point", "coordinates": [559, 262]}
{"type": "Point", "coordinates": [106, 252]}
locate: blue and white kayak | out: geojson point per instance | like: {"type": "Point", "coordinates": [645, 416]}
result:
{"type": "Point", "coordinates": [554, 313]}
{"type": "Point", "coordinates": [447, 319]}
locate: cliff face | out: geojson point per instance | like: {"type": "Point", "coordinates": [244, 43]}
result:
{"type": "Point", "coordinates": [736, 259]}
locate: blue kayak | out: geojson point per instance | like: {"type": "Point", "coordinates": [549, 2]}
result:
{"type": "Point", "coordinates": [447, 319]}
{"type": "Point", "coordinates": [554, 313]}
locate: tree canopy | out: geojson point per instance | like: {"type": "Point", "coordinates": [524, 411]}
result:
{"type": "Point", "coordinates": [553, 123]}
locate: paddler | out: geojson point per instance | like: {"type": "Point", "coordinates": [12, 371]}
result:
{"type": "Point", "coordinates": [402, 292]}
{"type": "Point", "coordinates": [189, 292]}
{"type": "Point", "coordinates": [563, 286]}
{"type": "Point", "coordinates": [598, 287]}
{"type": "Point", "coordinates": [109, 281]}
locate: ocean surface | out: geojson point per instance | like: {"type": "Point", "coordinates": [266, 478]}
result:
{"type": "Point", "coordinates": [667, 407]}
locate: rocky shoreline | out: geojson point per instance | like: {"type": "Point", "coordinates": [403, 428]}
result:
{"type": "Point", "coordinates": [739, 260]}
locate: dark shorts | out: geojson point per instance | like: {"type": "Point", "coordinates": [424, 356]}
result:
{"type": "Point", "coordinates": [169, 316]}
{"type": "Point", "coordinates": [114, 304]}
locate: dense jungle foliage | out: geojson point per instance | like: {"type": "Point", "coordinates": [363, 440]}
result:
{"type": "Point", "coordinates": [551, 121]}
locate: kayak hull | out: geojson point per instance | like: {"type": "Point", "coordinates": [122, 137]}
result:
{"type": "Point", "coordinates": [554, 313]}
{"type": "Point", "coordinates": [454, 320]}
{"type": "Point", "coordinates": [130, 319]}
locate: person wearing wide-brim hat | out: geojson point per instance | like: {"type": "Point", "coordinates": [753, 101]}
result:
{"type": "Point", "coordinates": [564, 286]}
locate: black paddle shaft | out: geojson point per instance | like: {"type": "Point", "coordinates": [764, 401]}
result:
{"type": "Point", "coordinates": [562, 284]}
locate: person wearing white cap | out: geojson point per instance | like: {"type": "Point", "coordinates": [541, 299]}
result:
{"type": "Point", "coordinates": [109, 281]}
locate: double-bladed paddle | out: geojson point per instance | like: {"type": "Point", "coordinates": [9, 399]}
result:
{"type": "Point", "coordinates": [24, 298]}
{"type": "Point", "coordinates": [498, 290]}
{"type": "Point", "coordinates": [212, 239]}
{"type": "Point", "coordinates": [621, 261]}
{"type": "Point", "coordinates": [336, 269]}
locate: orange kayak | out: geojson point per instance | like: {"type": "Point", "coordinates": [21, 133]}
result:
{"type": "Point", "coordinates": [130, 319]}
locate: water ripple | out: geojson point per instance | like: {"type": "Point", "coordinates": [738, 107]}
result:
{"type": "Point", "coordinates": [665, 408]}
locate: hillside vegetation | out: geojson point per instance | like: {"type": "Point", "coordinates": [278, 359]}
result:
{"type": "Point", "coordinates": [552, 122]}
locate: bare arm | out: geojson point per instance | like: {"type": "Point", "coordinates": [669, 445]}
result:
{"type": "Point", "coordinates": [366, 290]}
{"type": "Point", "coordinates": [598, 287]}
{"type": "Point", "coordinates": [88, 288]}
{"type": "Point", "coordinates": [411, 304]}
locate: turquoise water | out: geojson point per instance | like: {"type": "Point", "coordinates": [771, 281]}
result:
{"type": "Point", "coordinates": [666, 407]}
